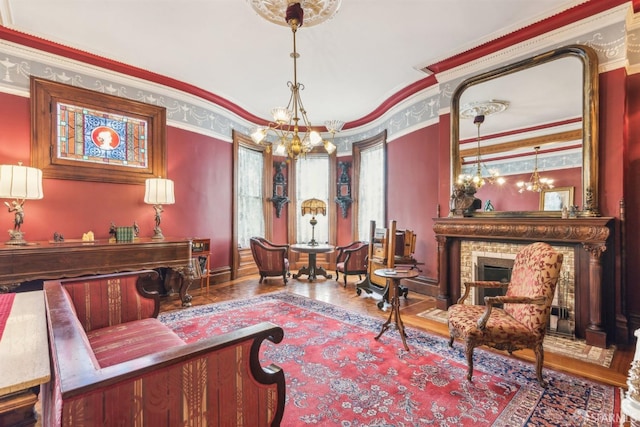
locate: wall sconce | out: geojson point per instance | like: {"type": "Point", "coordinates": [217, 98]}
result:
{"type": "Point", "coordinates": [19, 183]}
{"type": "Point", "coordinates": [158, 192]}
{"type": "Point", "coordinates": [313, 207]}
{"type": "Point", "coordinates": [279, 197]}
{"type": "Point", "coordinates": [343, 198]}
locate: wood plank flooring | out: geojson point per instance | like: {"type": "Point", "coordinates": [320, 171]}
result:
{"type": "Point", "coordinates": [333, 292]}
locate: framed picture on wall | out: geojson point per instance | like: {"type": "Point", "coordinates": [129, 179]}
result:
{"type": "Point", "coordinates": [555, 199]}
{"type": "Point", "coordinates": [85, 135]}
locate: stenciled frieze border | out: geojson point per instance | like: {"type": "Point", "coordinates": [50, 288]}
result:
{"type": "Point", "coordinates": [190, 112]}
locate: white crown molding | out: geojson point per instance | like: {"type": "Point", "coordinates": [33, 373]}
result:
{"type": "Point", "coordinates": [585, 31]}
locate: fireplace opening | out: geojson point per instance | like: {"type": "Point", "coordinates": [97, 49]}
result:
{"type": "Point", "coordinates": [492, 269]}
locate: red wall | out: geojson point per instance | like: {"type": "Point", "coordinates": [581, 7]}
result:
{"type": "Point", "coordinates": [412, 195]}
{"type": "Point", "coordinates": [199, 166]}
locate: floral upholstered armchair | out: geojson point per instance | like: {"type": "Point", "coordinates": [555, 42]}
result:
{"type": "Point", "coordinates": [352, 259]}
{"type": "Point", "coordinates": [271, 259]}
{"type": "Point", "coordinates": [522, 323]}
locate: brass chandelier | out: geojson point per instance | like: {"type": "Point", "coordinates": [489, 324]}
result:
{"type": "Point", "coordinates": [291, 141]}
{"type": "Point", "coordinates": [536, 183]}
{"type": "Point", "coordinates": [492, 176]}
{"type": "Point", "coordinates": [477, 111]}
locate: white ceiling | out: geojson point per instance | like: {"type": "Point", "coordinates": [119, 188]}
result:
{"type": "Point", "coordinates": [349, 65]}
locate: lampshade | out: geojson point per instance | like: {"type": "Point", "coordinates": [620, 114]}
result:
{"type": "Point", "coordinates": [159, 191]}
{"type": "Point", "coordinates": [20, 182]}
{"type": "Point", "coordinates": [314, 207]}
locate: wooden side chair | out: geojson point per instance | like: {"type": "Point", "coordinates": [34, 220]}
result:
{"type": "Point", "coordinates": [271, 259]}
{"type": "Point", "coordinates": [352, 259]}
{"type": "Point", "coordinates": [522, 323]}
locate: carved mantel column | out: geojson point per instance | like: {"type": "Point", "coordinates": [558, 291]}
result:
{"type": "Point", "coordinates": [595, 332]}
{"type": "Point", "coordinates": [589, 237]}
{"type": "Point", "coordinates": [443, 299]}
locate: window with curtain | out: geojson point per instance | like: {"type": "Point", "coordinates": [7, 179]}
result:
{"type": "Point", "coordinates": [250, 210]}
{"type": "Point", "coordinates": [312, 182]}
{"type": "Point", "coordinates": [369, 159]}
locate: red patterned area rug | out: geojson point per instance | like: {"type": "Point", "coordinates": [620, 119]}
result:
{"type": "Point", "coordinates": [337, 374]}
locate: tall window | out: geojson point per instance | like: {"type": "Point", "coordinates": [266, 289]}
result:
{"type": "Point", "coordinates": [369, 159]}
{"type": "Point", "coordinates": [250, 199]}
{"type": "Point", "coordinates": [312, 182]}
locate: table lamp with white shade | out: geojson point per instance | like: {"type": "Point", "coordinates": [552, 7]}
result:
{"type": "Point", "coordinates": [19, 183]}
{"type": "Point", "coordinates": [158, 192]}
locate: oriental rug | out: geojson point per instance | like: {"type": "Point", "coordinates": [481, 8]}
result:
{"type": "Point", "coordinates": [574, 348]}
{"type": "Point", "coordinates": [337, 374]}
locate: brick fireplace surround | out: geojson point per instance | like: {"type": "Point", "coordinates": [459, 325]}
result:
{"type": "Point", "coordinates": [599, 317]}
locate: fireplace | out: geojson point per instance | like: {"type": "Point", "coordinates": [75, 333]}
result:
{"type": "Point", "coordinates": [587, 302]}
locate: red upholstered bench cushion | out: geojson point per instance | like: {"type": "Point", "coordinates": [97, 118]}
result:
{"type": "Point", "coordinates": [130, 340]}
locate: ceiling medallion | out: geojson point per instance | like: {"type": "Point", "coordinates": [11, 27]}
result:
{"type": "Point", "coordinates": [482, 108]}
{"type": "Point", "coordinates": [315, 11]}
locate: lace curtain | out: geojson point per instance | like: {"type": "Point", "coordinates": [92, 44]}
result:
{"type": "Point", "coordinates": [371, 190]}
{"type": "Point", "coordinates": [250, 199]}
{"type": "Point", "coordinates": [312, 182]}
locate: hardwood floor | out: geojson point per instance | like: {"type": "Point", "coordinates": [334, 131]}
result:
{"type": "Point", "coordinates": [333, 292]}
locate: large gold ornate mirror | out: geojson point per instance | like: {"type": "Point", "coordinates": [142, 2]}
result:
{"type": "Point", "coordinates": [530, 123]}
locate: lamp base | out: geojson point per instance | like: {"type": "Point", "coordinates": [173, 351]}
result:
{"type": "Point", "coordinates": [157, 234]}
{"type": "Point", "coordinates": [16, 238]}
{"type": "Point", "coordinates": [313, 242]}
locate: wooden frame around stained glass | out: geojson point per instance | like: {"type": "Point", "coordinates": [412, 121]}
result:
{"type": "Point", "coordinates": [85, 135]}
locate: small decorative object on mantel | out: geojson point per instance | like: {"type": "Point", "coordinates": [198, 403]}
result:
{"type": "Point", "coordinates": [573, 211]}
{"type": "Point", "coordinates": [463, 202]}
{"type": "Point", "coordinates": [57, 237]}
{"type": "Point", "coordinates": [488, 206]}
{"type": "Point", "coordinates": [88, 236]}
{"type": "Point", "coordinates": [343, 198]}
{"type": "Point", "coordinates": [279, 198]}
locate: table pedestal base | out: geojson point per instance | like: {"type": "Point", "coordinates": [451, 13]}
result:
{"type": "Point", "coordinates": [312, 271]}
{"type": "Point", "coordinates": [394, 315]}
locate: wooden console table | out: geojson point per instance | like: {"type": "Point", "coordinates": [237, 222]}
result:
{"type": "Point", "coordinates": [24, 357]}
{"type": "Point", "coordinates": [49, 260]}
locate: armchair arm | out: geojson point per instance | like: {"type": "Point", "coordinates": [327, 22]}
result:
{"type": "Point", "coordinates": [344, 251]}
{"type": "Point", "coordinates": [481, 284]}
{"type": "Point", "coordinates": [491, 301]}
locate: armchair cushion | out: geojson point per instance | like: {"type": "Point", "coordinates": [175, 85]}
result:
{"type": "Point", "coordinates": [501, 328]}
{"type": "Point", "coordinates": [127, 341]}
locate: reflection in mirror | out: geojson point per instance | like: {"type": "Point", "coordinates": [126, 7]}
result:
{"type": "Point", "coordinates": [529, 122]}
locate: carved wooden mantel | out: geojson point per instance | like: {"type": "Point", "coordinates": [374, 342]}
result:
{"type": "Point", "coordinates": [588, 236]}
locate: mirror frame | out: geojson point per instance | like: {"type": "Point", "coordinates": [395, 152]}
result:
{"type": "Point", "coordinates": [590, 92]}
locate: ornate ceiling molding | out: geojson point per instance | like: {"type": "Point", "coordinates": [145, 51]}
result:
{"type": "Point", "coordinates": [315, 11]}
